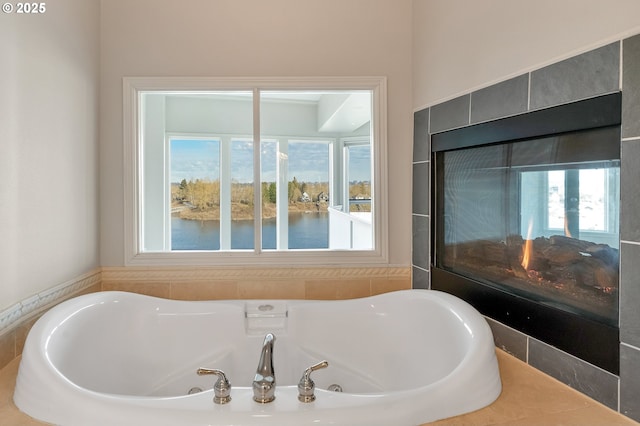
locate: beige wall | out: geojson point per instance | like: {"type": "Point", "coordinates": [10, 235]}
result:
{"type": "Point", "coordinates": [255, 38]}
{"type": "Point", "coordinates": [48, 134]}
{"type": "Point", "coordinates": [460, 45]}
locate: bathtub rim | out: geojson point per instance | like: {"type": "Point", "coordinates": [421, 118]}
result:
{"type": "Point", "coordinates": [43, 329]}
{"type": "Point", "coordinates": [350, 400]}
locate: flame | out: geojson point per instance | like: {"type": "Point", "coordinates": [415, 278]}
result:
{"type": "Point", "coordinates": [567, 233]}
{"type": "Point", "coordinates": [527, 247]}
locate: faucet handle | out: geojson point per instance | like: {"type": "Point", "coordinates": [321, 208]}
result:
{"type": "Point", "coordinates": [222, 388]}
{"type": "Point", "coordinates": [306, 386]}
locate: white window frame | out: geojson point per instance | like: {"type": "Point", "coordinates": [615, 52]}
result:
{"type": "Point", "coordinates": [346, 144]}
{"type": "Point", "coordinates": [132, 89]}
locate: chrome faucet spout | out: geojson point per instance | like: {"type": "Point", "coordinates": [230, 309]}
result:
{"type": "Point", "coordinates": [264, 382]}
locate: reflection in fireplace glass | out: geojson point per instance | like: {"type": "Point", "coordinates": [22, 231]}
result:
{"type": "Point", "coordinates": [538, 218]}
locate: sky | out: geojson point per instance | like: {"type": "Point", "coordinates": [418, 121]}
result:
{"type": "Point", "coordinates": [308, 161]}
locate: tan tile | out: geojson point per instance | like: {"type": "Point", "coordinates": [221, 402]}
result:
{"type": "Point", "coordinates": [337, 290]}
{"type": "Point", "coordinates": [16, 418]}
{"type": "Point", "coordinates": [7, 348]}
{"type": "Point", "coordinates": [599, 414]}
{"type": "Point", "coordinates": [91, 289]}
{"type": "Point", "coordinates": [530, 397]}
{"type": "Point", "coordinates": [476, 418]}
{"type": "Point", "coordinates": [281, 289]}
{"type": "Point", "coordinates": [204, 290]}
{"type": "Point", "coordinates": [580, 417]}
{"type": "Point", "coordinates": [352, 289]}
{"type": "Point", "coordinates": [8, 381]}
{"type": "Point", "coordinates": [527, 393]}
{"type": "Point", "coordinates": [386, 285]}
{"type": "Point", "coordinates": [541, 394]}
{"type": "Point", "coordinates": [9, 413]}
{"type": "Point", "coordinates": [150, 288]}
{"type": "Point", "coordinates": [21, 333]}
{"type": "Point", "coordinates": [320, 290]}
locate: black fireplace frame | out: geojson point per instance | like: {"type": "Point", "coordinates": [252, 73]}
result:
{"type": "Point", "coordinates": [587, 339]}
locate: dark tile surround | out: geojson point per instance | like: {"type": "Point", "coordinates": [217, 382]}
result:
{"type": "Point", "coordinates": [583, 76]}
{"type": "Point", "coordinates": [420, 188]}
{"type": "Point", "coordinates": [593, 382]}
{"type": "Point", "coordinates": [630, 388]}
{"type": "Point", "coordinates": [500, 100]}
{"type": "Point", "coordinates": [421, 136]}
{"type": "Point", "coordinates": [630, 189]}
{"type": "Point", "coordinates": [421, 238]}
{"type": "Point", "coordinates": [631, 84]}
{"type": "Point", "coordinates": [509, 340]}
{"type": "Point", "coordinates": [590, 74]}
{"type": "Point", "coordinates": [450, 114]}
{"type": "Point", "coordinates": [630, 295]}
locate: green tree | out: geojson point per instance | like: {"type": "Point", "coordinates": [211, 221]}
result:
{"type": "Point", "coordinates": [297, 194]}
{"type": "Point", "coordinates": [291, 189]}
{"type": "Point", "coordinates": [272, 193]}
{"type": "Point", "coordinates": [183, 189]}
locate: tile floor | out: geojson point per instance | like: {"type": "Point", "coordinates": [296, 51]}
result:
{"type": "Point", "coordinates": [529, 398]}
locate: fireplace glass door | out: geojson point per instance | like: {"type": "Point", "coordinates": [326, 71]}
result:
{"type": "Point", "coordinates": [537, 218]}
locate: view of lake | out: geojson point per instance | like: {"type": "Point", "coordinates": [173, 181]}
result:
{"type": "Point", "coordinates": [306, 231]}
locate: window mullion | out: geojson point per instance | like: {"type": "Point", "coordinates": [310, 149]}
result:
{"type": "Point", "coordinates": [282, 203]}
{"type": "Point", "coordinates": [345, 180]}
{"type": "Point", "coordinates": [257, 179]}
{"type": "Point", "coordinates": [225, 193]}
{"type": "Point", "coordinates": [167, 183]}
{"type": "Point", "coordinates": [335, 174]}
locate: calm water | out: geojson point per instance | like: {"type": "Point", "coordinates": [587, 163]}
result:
{"type": "Point", "coordinates": [306, 231]}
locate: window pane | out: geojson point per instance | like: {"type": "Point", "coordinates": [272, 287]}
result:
{"type": "Point", "coordinates": [195, 194]}
{"type": "Point", "coordinates": [268, 164]}
{"type": "Point", "coordinates": [309, 127]}
{"type": "Point", "coordinates": [308, 193]}
{"type": "Point", "coordinates": [593, 198]}
{"type": "Point", "coordinates": [359, 178]}
{"type": "Point", "coordinates": [242, 208]}
{"type": "Point", "coordinates": [188, 142]}
{"type": "Point", "coordinates": [556, 198]}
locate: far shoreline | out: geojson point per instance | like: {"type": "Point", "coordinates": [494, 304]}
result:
{"type": "Point", "coordinates": [240, 211]}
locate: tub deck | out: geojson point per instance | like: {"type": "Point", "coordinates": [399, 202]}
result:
{"type": "Point", "coordinates": [528, 397]}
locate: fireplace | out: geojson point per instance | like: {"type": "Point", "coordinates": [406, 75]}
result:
{"type": "Point", "coordinates": [525, 223]}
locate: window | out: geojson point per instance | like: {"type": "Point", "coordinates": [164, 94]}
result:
{"type": "Point", "coordinates": [593, 196]}
{"type": "Point", "coordinates": [357, 158]}
{"type": "Point", "coordinates": [572, 202]}
{"type": "Point", "coordinates": [206, 157]}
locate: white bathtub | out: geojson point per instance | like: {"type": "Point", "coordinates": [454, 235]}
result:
{"type": "Point", "coordinates": [114, 358]}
